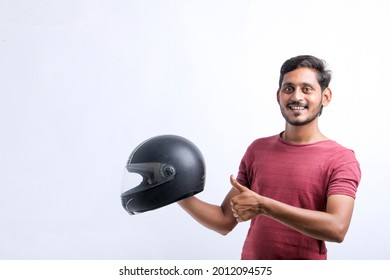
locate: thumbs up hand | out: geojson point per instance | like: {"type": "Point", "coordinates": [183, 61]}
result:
{"type": "Point", "coordinates": [247, 204]}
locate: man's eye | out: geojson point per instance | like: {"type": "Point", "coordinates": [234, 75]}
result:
{"type": "Point", "coordinates": [307, 89]}
{"type": "Point", "coordinates": [288, 89]}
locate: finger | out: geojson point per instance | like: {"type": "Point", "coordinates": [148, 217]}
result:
{"type": "Point", "coordinates": [237, 217]}
{"type": "Point", "coordinates": [237, 185]}
{"type": "Point", "coordinates": [235, 214]}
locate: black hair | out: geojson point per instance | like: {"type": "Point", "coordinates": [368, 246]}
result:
{"type": "Point", "coordinates": [323, 77]}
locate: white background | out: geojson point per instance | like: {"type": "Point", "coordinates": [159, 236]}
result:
{"type": "Point", "coordinates": [83, 82]}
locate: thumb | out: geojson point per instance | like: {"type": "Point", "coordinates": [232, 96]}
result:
{"type": "Point", "coordinates": [237, 185]}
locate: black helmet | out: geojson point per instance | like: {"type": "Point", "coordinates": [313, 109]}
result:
{"type": "Point", "coordinates": [172, 169]}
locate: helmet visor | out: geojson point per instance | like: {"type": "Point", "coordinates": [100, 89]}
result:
{"type": "Point", "coordinates": [138, 176]}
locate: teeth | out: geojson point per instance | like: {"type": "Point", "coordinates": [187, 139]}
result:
{"type": "Point", "coordinates": [297, 108]}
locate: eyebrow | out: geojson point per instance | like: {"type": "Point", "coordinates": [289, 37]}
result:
{"type": "Point", "coordinates": [303, 84]}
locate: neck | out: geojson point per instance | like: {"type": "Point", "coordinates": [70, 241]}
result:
{"type": "Point", "coordinates": [305, 134]}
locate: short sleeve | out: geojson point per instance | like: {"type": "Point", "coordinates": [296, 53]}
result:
{"type": "Point", "coordinates": [345, 175]}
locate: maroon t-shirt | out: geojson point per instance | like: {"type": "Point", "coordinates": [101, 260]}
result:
{"type": "Point", "coordinates": [299, 175]}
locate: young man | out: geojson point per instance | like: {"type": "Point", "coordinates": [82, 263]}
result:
{"type": "Point", "coordinates": [298, 187]}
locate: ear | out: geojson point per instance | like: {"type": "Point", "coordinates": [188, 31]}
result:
{"type": "Point", "coordinates": [326, 97]}
{"type": "Point", "coordinates": [278, 96]}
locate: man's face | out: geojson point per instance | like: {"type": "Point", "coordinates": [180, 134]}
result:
{"type": "Point", "coordinates": [300, 97]}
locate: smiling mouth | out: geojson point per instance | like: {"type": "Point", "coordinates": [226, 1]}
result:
{"type": "Point", "coordinates": [297, 108]}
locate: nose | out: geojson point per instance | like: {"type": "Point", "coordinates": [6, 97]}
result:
{"type": "Point", "coordinates": [297, 95]}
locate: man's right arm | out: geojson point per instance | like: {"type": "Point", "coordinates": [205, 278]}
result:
{"type": "Point", "coordinates": [214, 217]}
